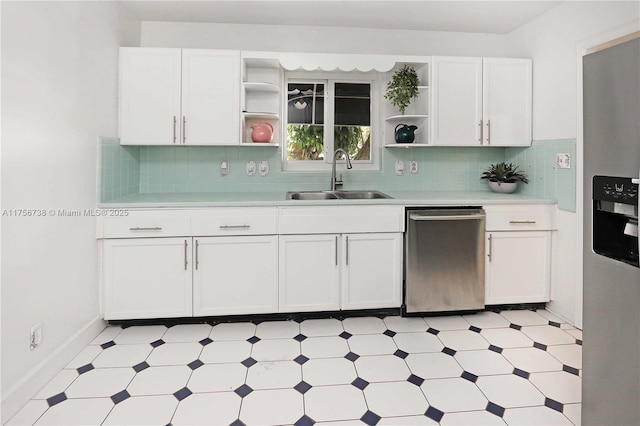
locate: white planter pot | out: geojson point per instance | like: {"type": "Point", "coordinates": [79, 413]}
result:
{"type": "Point", "coordinates": [503, 187]}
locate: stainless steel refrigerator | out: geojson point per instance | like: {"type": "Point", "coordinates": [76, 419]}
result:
{"type": "Point", "coordinates": [611, 322]}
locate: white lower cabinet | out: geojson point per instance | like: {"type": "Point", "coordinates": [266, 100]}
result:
{"type": "Point", "coordinates": [147, 278]}
{"type": "Point", "coordinates": [518, 267]}
{"type": "Point", "coordinates": [321, 272]}
{"type": "Point", "coordinates": [235, 275]}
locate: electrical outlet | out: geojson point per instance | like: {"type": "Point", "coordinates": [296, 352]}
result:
{"type": "Point", "coordinates": [399, 167]}
{"type": "Point", "coordinates": [35, 336]}
{"type": "Point", "coordinates": [413, 167]}
{"type": "Point", "coordinates": [263, 167]}
{"type": "Point", "coordinates": [224, 168]}
{"type": "Point", "coordinates": [251, 168]}
{"type": "Point", "coordinates": [563, 161]}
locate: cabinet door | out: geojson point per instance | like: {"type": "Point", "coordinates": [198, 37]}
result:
{"type": "Point", "coordinates": [507, 101]}
{"type": "Point", "coordinates": [309, 273]}
{"type": "Point", "coordinates": [147, 278]}
{"type": "Point", "coordinates": [372, 271]}
{"type": "Point", "coordinates": [210, 97]}
{"type": "Point", "coordinates": [235, 275]}
{"type": "Point", "coordinates": [457, 101]}
{"type": "Point", "coordinates": [518, 267]}
{"type": "Point", "coordinates": [149, 109]}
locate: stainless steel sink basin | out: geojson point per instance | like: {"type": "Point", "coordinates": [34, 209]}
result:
{"type": "Point", "coordinates": [336, 195]}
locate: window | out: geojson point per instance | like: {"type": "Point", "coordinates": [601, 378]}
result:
{"type": "Point", "coordinates": [324, 114]}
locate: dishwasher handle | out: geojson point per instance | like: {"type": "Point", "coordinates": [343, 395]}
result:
{"type": "Point", "coordinates": [475, 216]}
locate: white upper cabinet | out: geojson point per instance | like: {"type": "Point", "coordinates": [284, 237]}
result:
{"type": "Point", "coordinates": [481, 101]}
{"type": "Point", "coordinates": [179, 96]}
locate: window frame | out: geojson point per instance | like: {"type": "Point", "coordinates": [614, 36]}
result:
{"type": "Point", "coordinates": [329, 79]}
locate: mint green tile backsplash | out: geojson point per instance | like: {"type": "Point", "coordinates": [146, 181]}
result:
{"type": "Point", "coordinates": [125, 170]}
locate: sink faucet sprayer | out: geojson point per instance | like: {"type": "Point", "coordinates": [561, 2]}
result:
{"type": "Point", "coordinates": [335, 181]}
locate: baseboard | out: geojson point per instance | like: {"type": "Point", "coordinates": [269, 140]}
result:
{"type": "Point", "coordinates": [41, 374]}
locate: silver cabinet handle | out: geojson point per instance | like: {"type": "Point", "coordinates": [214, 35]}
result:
{"type": "Point", "coordinates": [490, 247]}
{"type": "Point", "coordinates": [516, 222]}
{"type": "Point", "coordinates": [481, 133]}
{"type": "Point", "coordinates": [336, 247]}
{"type": "Point", "coordinates": [184, 129]}
{"type": "Point", "coordinates": [174, 128]}
{"type": "Point", "coordinates": [186, 262]}
{"type": "Point", "coordinates": [197, 259]}
{"type": "Point", "coordinates": [153, 228]}
{"type": "Point", "coordinates": [347, 250]}
{"type": "Point", "coordinates": [488, 132]}
{"type": "Point", "coordinates": [235, 226]}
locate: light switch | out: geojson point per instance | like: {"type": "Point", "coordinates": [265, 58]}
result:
{"type": "Point", "coordinates": [563, 161]}
{"type": "Point", "coordinates": [399, 167]}
{"type": "Point", "coordinates": [263, 168]}
{"type": "Point", "coordinates": [251, 168]}
{"type": "Point", "coordinates": [224, 168]}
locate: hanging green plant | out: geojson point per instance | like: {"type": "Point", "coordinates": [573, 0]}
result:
{"type": "Point", "coordinates": [403, 87]}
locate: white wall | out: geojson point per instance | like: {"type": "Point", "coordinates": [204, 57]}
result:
{"type": "Point", "coordinates": [59, 93]}
{"type": "Point", "coordinates": [292, 38]}
{"type": "Point", "coordinates": [552, 41]}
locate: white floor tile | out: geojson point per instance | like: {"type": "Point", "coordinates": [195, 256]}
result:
{"type": "Point", "coordinates": [455, 394]}
{"type": "Point", "coordinates": [406, 421]}
{"type": "Point", "coordinates": [335, 403]}
{"type": "Point", "coordinates": [510, 391]}
{"type": "Point", "coordinates": [107, 335]}
{"type": "Point", "coordinates": [275, 350]}
{"type": "Point", "coordinates": [574, 332]}
{"type": "Point", "coordinates": [395, 399]}
{"type": "Point", "coordinates": [100, 382]}
{"type": "Point", "coordinates": [418, 342]}
{"type": "Point", "coordinates": [535, 416]}
{"type": "Point", "coordinates": [405, 325]}
{"type": "Point", "coordinates": [143, 410]}
{"type": "Point", "coordinates": [122, 356]}
{"type": "Point", "coordinates": [233, 331]}
{"type": "Point", "coordinates": [382, 368]}
{"type": "Point", "coordinates": [277, 329]}
{"type": "Point", "coordinates": [453, 322]}
{"type": "Point", "coordinates": [197, 409]}
{"type": "Point", "coordinates": [573, 412]}
{"type": "Point", "coordinates": [324, 347]}
{"type": "Point", "coordinates": [524, 317]}
{"type": "Point", "coordinates": [274, 375]}
{"type": "Point", "coordinates": [29, 414]}
{"type": "Point", "coordinates": [321, 327]}
{"type": "Point", "coordinates": [462, 340]}
{"type": "Point", "coordinates": [217, 378]}
{"type": "Point", "coordinates": [159, 380]}
{"type": "Point", "coordinates": [532, 360]}
{"type": "Point", "coordinates": [187, 333]}
{"type": "Point", "coordinates": [559, 386]}
{"type": "Point", "coordinates": [275, 407]}
{"type": "Point", "coordinates": [548, 335]}
{"type": "Point", "coordinates": [174, 354]}
{"type": "Point", "coordinates": [364, 325]}
{"type": "Point", "coordinates": [89, 411]}
{"type": "Point", "coordinates": [570, 355]}
{"type": "Point", "coordinates": [486, 320]}
{"type": "Point", "coordinates": [484, 362]}
{"type": "Point", "coordinates": [140, 334]}
{"type": "Point", "coordinates": [549, 316]}
{"type": "Point", "coordinates": [372, 344]}
{"type": "Point", "coordinates": [225, 351]}
{"type": "Point", "coordinates": [475, 418]}
{"type": "Point", "coordinates": [433, 365]}
{"type": "Point", "coordinates": [86, 356]}
{"type": "Point", "coordinates": [506, 338]}
{"type": "Point", "coordinates": [58, 384]}
{"type": "Point", "coordinates": [328, 371]}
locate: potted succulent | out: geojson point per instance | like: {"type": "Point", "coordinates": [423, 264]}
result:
{"type": "Point", "coordinates": [503, 177]}
{"type": "Point", "coordinates": [403, 87]}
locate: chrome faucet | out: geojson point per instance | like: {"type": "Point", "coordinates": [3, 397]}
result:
{"type": "Point", "coordinates": [335, 181]}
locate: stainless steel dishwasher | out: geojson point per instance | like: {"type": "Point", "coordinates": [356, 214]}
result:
{"type": "Point", "coordinates": [444, 260]}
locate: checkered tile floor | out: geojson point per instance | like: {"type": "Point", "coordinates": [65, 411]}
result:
{"type": "Point", "coordinates": [513, 367]}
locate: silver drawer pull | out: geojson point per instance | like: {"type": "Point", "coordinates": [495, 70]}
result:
{"type": "Point", "coordinates": [520, 222]}
{"type": "Point", "coordinates": [235, 226]}
{"type": "Point", "coordinates": [154, 228]}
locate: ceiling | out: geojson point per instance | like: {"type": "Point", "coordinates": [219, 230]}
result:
{"type": "Point", "coordinates": [495, 17]}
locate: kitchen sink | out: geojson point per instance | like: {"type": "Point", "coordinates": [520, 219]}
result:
{"type": "Point", "coordinates": [336, 195]}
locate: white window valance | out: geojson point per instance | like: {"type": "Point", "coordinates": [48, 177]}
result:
{"type": "Point", "coordinates": [333, 62]}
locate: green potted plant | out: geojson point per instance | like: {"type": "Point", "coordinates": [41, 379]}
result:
{"type": "Point", "coordinates": [403, 87]}
{"type": "Point", "coordinates": [503, 177]}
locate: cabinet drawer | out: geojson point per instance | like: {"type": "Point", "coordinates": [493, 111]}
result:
{"type": "Point", "coordinates": [522, 217]}
{"type": "Point", "coordinates": [235, 221]}
{"type": "Point", "coordinates": [143, 224]}
{"type": "Point", "coordinates": [340, 219]}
